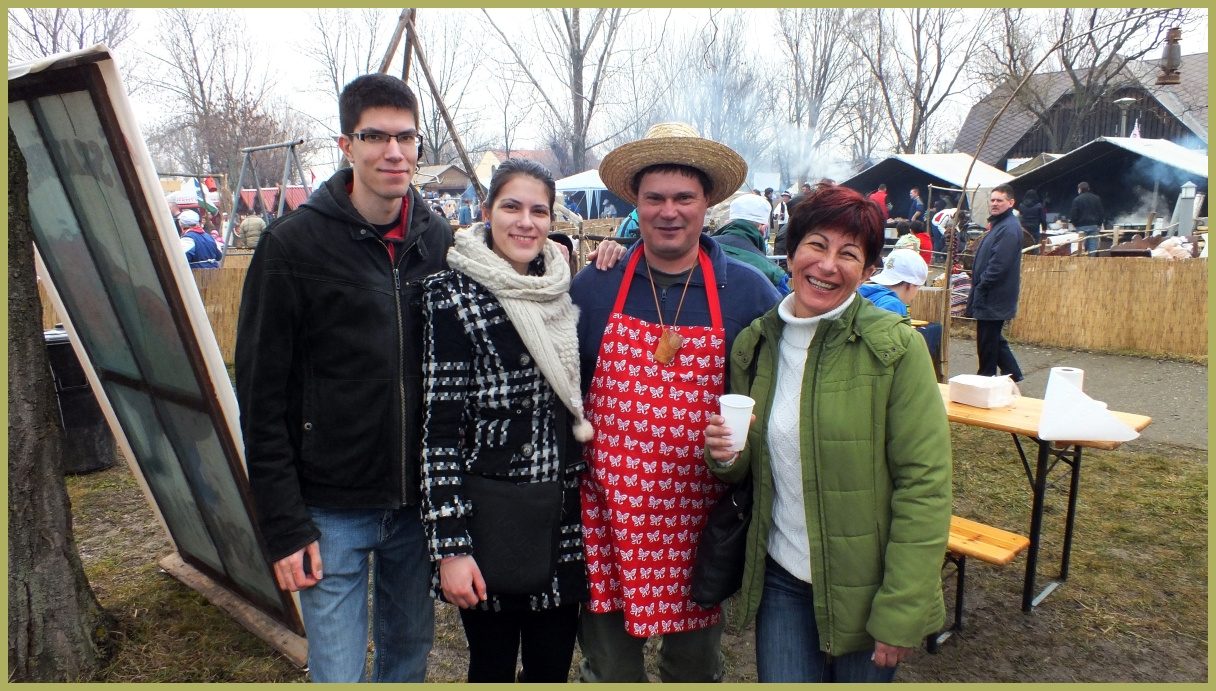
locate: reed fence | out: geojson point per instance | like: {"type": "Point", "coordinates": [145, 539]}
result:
{"type": "Point", "coordinates": [1151, 306]}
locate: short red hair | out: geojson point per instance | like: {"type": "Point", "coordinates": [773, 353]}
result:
{"type": "Point", "coordinates": [842, 209]}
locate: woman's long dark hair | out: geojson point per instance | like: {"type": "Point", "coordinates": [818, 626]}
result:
{"type": "Point", "coordinates": [514, 167]}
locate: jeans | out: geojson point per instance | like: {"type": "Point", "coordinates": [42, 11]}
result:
{"type": "Point", "coordinates": [787, 638]}
{"type": "Point", "coordinates": [543, 639]}
{"type": "Point", "coordinates": [611, 654]}
{"type": "Point", "coordinates": [932, 333]}
{"type": "Point", "coordinates": [335, 609]}
{"type": "Point", "coordinates": [993, 350]}
{"type": "Point", "coordinates": [1091, 237]}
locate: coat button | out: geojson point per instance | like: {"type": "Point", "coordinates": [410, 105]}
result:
{"type": "Point", "coordinates": [527, 450]}
{"type": "Point", "coordinates": [527, 403]}
{"type": "Point", "coordinates": [363, 231]}
{"type": "Point", "coordinates": [525, 359]}
{"type": "Point", "coordinates": [307, 426]}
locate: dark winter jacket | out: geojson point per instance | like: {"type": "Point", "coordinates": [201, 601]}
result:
{"type": "Point", "coordinates": [744, 241]}
{"type": "Point", "coordinates": [514, 429]}
{"type": "Point", "coordinates": [329, 362]}
{"type": "Point", "coordinates": [1086, 210]}
{"type": "Point", "coordinates": [743, 293]}
{"type": "Point", "coordinates": [1034, 219]}
{"type": "Point", "coordinates": [997, 273]}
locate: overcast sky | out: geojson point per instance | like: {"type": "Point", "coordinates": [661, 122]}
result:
{"type": "Point", "coordinates": [280, 32]}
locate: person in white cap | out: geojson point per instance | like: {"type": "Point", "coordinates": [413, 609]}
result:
{"type": "Point", "coordinates": [894, 288]}
{"type": "Point", "coordinates": [200, 247]}
{"type": "Point", "coordinates": [743, 238]}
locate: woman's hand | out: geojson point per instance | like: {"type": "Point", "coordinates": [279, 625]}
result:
{"type": "Point", "coordinates": [888, 655]}
{"type": "Point", "coordinates": [717, 440]}
{"type": "Point", "coordinates": [461, 581]}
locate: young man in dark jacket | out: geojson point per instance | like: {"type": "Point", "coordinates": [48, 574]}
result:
{"type": "Point", "coordinates": [329, 380]}
{"type": "Point", "coordinates": [995, 281]}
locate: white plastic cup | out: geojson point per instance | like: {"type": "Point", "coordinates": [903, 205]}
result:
{"type": "Point", "coordinates": [737, 409]}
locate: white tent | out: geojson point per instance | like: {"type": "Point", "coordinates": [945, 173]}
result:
{"type": "Point", "coordinates": [589, 195]}
{"type": "Point", "coordinates": [586, 180]}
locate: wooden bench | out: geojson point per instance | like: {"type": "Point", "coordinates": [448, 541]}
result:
{"type": "Point", "coordinates": [983, 542]}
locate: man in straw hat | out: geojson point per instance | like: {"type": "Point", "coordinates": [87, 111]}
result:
{"type": "Point", "coordinates": [654, 333]}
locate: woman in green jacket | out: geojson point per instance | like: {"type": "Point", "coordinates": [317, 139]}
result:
{"type": "Point", "coordinates": [850, 457]}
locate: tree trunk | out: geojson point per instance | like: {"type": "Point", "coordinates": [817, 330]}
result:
{"type": "Point", "coordinates": [56, 629]}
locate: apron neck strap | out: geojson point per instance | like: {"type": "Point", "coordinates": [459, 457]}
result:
{"type": "Point", "coordinates": [707, 273]}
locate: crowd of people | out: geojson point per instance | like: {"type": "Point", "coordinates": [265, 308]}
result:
{"type": "Point", "coordinates": [452, 416]}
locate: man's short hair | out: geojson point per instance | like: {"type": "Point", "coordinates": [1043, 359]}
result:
{"type": "Point", "coordinates": [1007, 190]}
{"type": "Point", "coordinates": [916, 190]}
{"type": "Point", "coordinates": [707, 185]}
{"type": "Point", "coordinates": [374, 91]}
{"type": "Point", "coordinates": [882, 187]}
{"type": "Point", "coordinates": [1084, 186]}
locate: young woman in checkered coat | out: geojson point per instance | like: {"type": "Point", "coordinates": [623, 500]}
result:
{"type": "Point", "coordinates": [502, 432]}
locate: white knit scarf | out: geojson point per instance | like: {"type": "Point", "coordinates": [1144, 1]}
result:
{"type": "Point", "coordinates": [539, 308]}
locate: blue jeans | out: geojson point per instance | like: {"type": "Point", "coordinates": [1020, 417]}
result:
{"type": "Point", "coordinates": [335, 609]}
{"type": "Point", "coordinates": [787, 638]}
{"type": "Point", "coordinates": [1091, 237]}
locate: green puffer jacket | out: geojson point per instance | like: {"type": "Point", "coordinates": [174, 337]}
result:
{"type": "Point", "coordinates": [876, 475]}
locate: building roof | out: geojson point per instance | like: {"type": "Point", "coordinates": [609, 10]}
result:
{"type": "Point", "coordinates": [1187, 101]}
{"type": "Point", "coordinates": [544, 157]}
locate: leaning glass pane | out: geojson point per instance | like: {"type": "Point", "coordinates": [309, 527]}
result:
{"type": "Point", "coordinates": [215, 488]}
{"type": "Point", "coordinates": [160, 467]}
{"type": "Point", "coordinates": [89, 175]}
{"type": "Point", "coordinates": [66, 256]}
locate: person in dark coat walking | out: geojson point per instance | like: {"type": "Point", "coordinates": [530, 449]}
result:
{"type": "Point", "coordinates": [995, 281]}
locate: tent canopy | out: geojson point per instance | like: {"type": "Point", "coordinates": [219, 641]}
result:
{"type": "Point", "coordinates": [901, 172]}
{"type": "Point", "coordinates": [1123, 172]}
{"type": "Point", "coordinates": [586, 180]}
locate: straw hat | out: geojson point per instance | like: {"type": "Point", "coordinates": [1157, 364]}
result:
{"type": "Point", "coordinates": [673, 143]}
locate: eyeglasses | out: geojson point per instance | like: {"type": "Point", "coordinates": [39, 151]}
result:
{"type": "Point", "coordinates": [404, 139]}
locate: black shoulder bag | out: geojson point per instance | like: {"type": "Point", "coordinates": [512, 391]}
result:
{"type": "Point", "coordinates": [717, 572]}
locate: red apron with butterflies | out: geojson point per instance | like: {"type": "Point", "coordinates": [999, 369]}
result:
{"type": "Point", "coordinates": [648, 493]}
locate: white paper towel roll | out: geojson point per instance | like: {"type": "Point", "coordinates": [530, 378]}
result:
{"type": "Point", "coordinates": [1072, 375]}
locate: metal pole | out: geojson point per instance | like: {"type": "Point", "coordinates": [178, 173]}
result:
{"type": "Point", "coordinates": [283, 181]}
{"type": "Point", "coordinates": [236, 193]}
{"type": "Point", "coordinates": [293, 142]}
{"type": "Point", "coordinates": [447, 119]}
{"type": "Point", "coordinates": [300, 171]}
{"type": "Point", "coordinates": [1123, 122]}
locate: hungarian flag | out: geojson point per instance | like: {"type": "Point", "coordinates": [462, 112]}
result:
{"type": "Point", "coordinates": [202, 198]}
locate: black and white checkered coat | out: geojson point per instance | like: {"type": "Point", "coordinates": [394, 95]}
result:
{"type": "Point", "coordinates": [490, 412]}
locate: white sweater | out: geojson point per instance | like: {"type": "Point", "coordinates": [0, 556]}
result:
{"type": "Point", "coordinates": [788, 544]}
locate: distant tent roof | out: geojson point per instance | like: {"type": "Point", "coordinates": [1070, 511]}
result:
{"type": "Point", "coordinates": [1122, 171]}
{"type": "Point", "coordinates": [947, 168]}
{"type": "Point", "coordinates": [586, 180]}
{"type": "Point", "coordinates": [1109, 157]}
{"type": "Point", "coordinates": [1032, 163]}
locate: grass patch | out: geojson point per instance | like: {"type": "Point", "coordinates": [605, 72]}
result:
{"type": "Point", "coordinates": [1133, 609]}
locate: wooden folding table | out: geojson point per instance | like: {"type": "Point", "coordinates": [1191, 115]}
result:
{"type": "Point", "coordinates": [1021, 418]}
